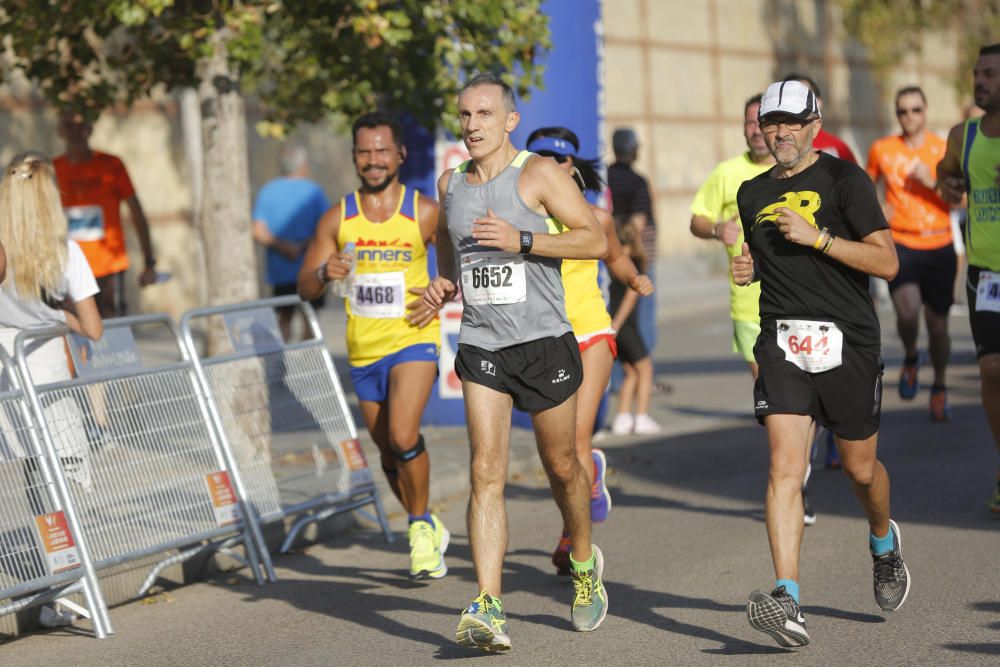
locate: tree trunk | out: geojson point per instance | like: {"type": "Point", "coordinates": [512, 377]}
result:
{"type": "Point", "coordinates": [230, 261]}
{"type": "Point", "coordinates": [224, 221]}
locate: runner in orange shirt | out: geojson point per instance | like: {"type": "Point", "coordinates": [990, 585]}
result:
{"type": "Point", "coordinates": [921, 229]}
{"type": "Point", "coordinates": [93, 186]}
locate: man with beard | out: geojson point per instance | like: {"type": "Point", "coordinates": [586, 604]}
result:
{"type": "Point", "coordinates": [972, 164]}
{"type": "Point", "coordinates": [714, 215]}
{"type": "Point", "coordinates": [375, 239]}
{"type": "Point", "coordinates": [817, 232]}
{"type": "Point", "coordinates": [502, 232]}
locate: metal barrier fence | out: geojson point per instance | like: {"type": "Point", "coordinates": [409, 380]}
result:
{"type": "Point", "coordinates": [43, 556]}
{"type": "Point", "coordinates": [147, 472]}
{"type": "Point", "coordinates": [283, 412]}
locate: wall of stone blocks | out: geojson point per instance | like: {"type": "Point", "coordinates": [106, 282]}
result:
{"type": "Point", "coordinates": [679, 72]}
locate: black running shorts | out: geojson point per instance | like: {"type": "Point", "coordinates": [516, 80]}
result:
{"type": "Point", "coordinates": [985, 324]}
{"type": "Point", "coordinates": [931, 270]}
{"type": "Point", "coordinates": [847, 400]}
{"type": "Point", "coordinates": [631, 347]}
{"type": "Point", "coordinates": [538, 375]}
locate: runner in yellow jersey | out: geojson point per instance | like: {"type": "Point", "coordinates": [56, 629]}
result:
{"type": "Point", "coordinates": [972, 164]}
{"type": "Point", "coordinates": [375, 239]}
{"type": "Point", "coordinates": [592, 326]}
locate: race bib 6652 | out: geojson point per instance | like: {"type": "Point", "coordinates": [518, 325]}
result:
{"type": "Point", "coordinates": [493, 278]}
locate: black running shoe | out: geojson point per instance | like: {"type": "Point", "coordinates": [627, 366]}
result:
{"type": "Point", "coordinates": [892, 578]}
{"type": "Point", "coordinates": [778, 615]}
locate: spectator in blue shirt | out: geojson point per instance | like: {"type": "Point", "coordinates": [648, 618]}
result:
{"type": "Point", "coordinates": [284, 219]}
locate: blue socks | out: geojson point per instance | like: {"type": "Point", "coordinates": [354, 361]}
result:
{"type": "Point", "coordinates": [426, 516]}
{"type": "Point", "coordinates": [881, 545]}
{"type": "Point", "coordinates": [791, 587]}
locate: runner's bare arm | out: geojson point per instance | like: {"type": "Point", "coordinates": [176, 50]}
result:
{"type": "Point", "coordinates": [442, 288]}
{"type": "Point", "coordinates": [419, 314]}
{"type": "Point", "coordinates": [620, 265]}
{"type": "Point", "coordinates": [323, 252]}
{"type": "Point", "coordinates": [551, 191]}
{"type": "Point", "coordinates": [727, 231]}
{"type": "Point", "coordinates": [83, 317]}
{"type": "Point", "coordinates": [951, 183]}
{"type": "Point", "coordinates": [875, 254]}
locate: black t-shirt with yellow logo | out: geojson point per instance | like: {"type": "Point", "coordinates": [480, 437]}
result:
{"type": "Point", "coordinates": [798, 281]}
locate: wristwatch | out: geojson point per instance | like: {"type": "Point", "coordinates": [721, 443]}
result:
{"type": "Point", "coordinates": [527, 240]}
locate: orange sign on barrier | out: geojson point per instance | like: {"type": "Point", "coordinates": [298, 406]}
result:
{"type": "Point", "coordinates": [223, 497]}
{"type": "Point", "coordinates": [57, 542]}
{"type": "Point", "coordinates": [353, 454]}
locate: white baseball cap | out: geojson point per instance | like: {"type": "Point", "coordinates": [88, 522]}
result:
{"type": "Point", "coordinates": [788, 97]}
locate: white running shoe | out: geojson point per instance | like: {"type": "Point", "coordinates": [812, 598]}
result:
{"type": "Point", "coordinates": [645, 425]}
{"type": "Point", "coordinates": [623, 423]}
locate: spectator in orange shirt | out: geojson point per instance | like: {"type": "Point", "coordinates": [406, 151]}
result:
{"type": "Point", "coordinates": [93, 186]}
{"type": "Point", "coordinates": [921, 229]}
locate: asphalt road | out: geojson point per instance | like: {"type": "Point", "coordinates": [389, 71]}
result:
{"type": "Point", "coordinates": [684, 545]}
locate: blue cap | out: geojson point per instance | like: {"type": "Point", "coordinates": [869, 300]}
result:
{"type": "Point", "coordinates": [552, 145]}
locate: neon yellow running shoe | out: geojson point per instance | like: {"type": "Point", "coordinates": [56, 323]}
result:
{"type": "Point", "coordinates": [590, 600]}
{"type": "Point", "coordinates": [484, 625]}
{"type": "Point", "coordinates": [425, 556]}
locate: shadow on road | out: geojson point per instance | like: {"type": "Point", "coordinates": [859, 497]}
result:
{"type": "Point", "coordinates": [939, 472]}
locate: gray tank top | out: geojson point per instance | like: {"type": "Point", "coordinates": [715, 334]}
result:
{"type": "Point", "coordinates": [508, 298]}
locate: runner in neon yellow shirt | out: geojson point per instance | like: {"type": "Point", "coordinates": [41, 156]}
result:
{"type": "Point", "coordinates": [714, 216]}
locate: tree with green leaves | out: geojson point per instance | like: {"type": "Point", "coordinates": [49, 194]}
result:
{"type": "Point", "coordinates": [892, 29]}
{"type": "Point", "coordinates": [303, 61]}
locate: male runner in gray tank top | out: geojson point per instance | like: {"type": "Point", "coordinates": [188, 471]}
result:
{"type": "Point", "coordinates": [516, 347]}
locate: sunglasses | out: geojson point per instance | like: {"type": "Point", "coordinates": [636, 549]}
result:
{"type": "Point", "coordinates": [769, 125]}
{"type": "Point", "coordinates": [914, 110]}
{"type": "Point", "coordinates": [561, 159]}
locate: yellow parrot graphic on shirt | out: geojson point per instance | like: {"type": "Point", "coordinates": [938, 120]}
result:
{"type": "Point", "coordinates": [805, 202]}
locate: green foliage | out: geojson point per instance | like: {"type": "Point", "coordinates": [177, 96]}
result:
{"type": "Point", "coordinates": [303, 60]}
{"type": "Point", "coordinates": [892, 29]}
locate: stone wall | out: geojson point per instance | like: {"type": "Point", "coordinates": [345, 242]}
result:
{"type": "Point", "coordinates": [680, 71]}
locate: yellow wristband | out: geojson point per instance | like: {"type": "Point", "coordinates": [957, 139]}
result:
{"type": "Point", "coordinates": [820, 240]}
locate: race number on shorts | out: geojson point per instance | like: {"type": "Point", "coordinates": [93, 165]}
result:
{"type": "Point", "coordinates": [493, 278]}
{"type": "Point", "coordinates": [812, 346]}
{"type": "Point", "coordinates": [988, 292]}
{"type": "Point", "coordinates": [86, 223]}
{"type": "Point", "coordinates": [379, 295]}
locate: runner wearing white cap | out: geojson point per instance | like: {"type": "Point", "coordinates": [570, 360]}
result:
{"type": "Point", "coordinates": [817, 232]}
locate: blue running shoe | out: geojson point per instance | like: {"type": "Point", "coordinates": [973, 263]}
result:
{"type": "Point", "coordinates": [909, 385]}
{"type": "Point", "coordinates": [600, 497]}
